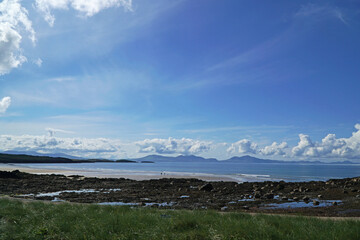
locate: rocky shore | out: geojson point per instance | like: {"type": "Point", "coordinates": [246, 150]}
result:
{"type": "Point", "coordinates": [336, 197]}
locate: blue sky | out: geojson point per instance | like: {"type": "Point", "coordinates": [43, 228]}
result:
{"type": "Point", "coordinates": [205, 77]}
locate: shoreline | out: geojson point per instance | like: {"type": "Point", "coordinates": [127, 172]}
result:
{"type": "Point", "coordinates": [132, 175]}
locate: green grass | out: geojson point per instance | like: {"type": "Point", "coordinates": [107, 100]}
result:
{"type": "Point", "coordinates": [38, 220]}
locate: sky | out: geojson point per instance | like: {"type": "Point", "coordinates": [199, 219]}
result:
{"type": "Point", "coordinates": [129, 78]}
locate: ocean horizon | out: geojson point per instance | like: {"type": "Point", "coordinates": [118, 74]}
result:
{"type": "Point", "coordinates": [240, 172]}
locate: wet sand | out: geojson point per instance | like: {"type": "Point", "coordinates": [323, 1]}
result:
{"type": "Point", "coordinates": [139, 176]}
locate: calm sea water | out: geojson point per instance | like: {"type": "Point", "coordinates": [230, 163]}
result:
{"type": "Point", "coordinates": [238, 171]}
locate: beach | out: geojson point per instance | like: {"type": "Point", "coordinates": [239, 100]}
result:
{"type": "Point", "coordinates": [133, 175]}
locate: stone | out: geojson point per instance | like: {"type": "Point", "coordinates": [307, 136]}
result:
{"type": "Point", "coordinates": [306, 199]}
{"type": "Point", "coordinates": [207, 187]}
{"type": "Point", "coordinates": [269, 196]}
{"type": "Point", "coordinates": [315, 202]}
{"type": "Point", "coordinates": [257, 195]}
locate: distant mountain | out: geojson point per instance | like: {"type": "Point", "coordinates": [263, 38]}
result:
{"type": "Point", "coordinates": [24, 158]}
{"type": "Point", "coordinates": [16, 157]}
{"type": "Point", "coordinates": [244, 159]}
{"type": "Point", "coordinates": [32, 153]}
{"type": "Point", "coordinates": [21, 158]}
{"type": "Point", "coordinates": [250, 159]}
{"type": "Point", "coordinates": [181, 158]}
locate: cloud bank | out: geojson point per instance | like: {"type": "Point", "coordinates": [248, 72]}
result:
{"type": "Point", "coordinates": [84, 147]}
{"type": "Point", "coordinates": [329, 147]}
{"type": "Point", "coordinates": [184, 146]}
{"type": "Point", "coordinates": [5, 104]}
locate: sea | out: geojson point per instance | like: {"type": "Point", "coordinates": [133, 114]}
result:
{"type": "Point", "coordinates": [240, 172]}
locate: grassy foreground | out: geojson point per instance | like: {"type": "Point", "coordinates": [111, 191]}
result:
{"type": "Point", "coordinates": [38, 220]}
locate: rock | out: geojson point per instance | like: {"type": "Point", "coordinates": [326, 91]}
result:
{"type": "Point", "coordinates": [320, 196]}
{"type": "Point", "coordinates": [295, 198]}
{"type": "Point", "coordinates": [246, 207]}
{"type": "Point", "coordinates": [345, 192]}
{"type": "Point", "coordinates": [269, 196]}
{"type": "Point", "coordinates": [207, 187]}
{"type": "Point", "coordinates": [224, 208]}
{"type": "Point", "coordinates": [280, 187]}
{"type": "Point", "coordinates": [257, 195]}
{"type": "Point", "coordinates": [353, 190]}
{"type": "Point", "coordinates": [315, 202]}
{"type": "Point", "coordinates": [13, 174]}
{"type": "Point", "coordinates": [334, 203]}
{"type": "Point", "coordinates": [306, 199]}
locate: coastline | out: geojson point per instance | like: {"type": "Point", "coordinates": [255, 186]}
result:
{"type": "Point", "coordinates": [133, 175]}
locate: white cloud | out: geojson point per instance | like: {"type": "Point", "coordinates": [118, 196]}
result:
{"type": "Point", "coordinates": [243, 146]}
{"type": "Point", "coordinates": [330, 146]}
{"type": "Point", "coordinates": [171, 145]}
{"type": "Point", "coordinates": [13, 19]}
{"type": "Point", "coordinates": [4, 104]}
{"type": "Point", "coordinates": [86, 7]}
{"type": "Point", "coordinates": [321, 11]}
{"type": "Point", "coordinates": [62, 79]}
{"type": "Point", "coordinates": [38, 62]}
{"type": "Point", "coordinates": [53, 131]}
{"type": "Point", "coordinates": [274, 149]}
{"type": "Point", "coordinates": [84, 147]}
{"type": "Point", "coordinates": [303, 146]}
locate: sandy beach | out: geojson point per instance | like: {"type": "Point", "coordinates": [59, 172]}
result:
{"type": "Point", "coordinates": [119, 174]}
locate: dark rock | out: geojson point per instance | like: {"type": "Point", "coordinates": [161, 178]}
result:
{"type": "Point", "coordinates": [269, 196]}
{"type": "Point", "coordinates": [13, 174]}
{"type": "Point", "coordinates": [315, 202]}
{"type": "Point", "coordinates": [306, 199]}
{"type": "Point", "coordinates": [257, 195]}
{"type": "Point", "coordinates": [207, 187]}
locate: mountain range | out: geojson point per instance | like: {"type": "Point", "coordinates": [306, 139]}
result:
{"type": "Point", "coordinates": [30, 157]}
{"type": "Point", "coordinates": [243, 159]}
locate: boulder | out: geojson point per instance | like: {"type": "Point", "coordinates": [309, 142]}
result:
{"type": "Point", "coordinates": [207, 187]}
{"type": "Point", "coordinates": [269, 195]}
{"type": "Point", "coordinates": [306, 199]}
{"type": "Point", "coordinates": [257, 195]}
